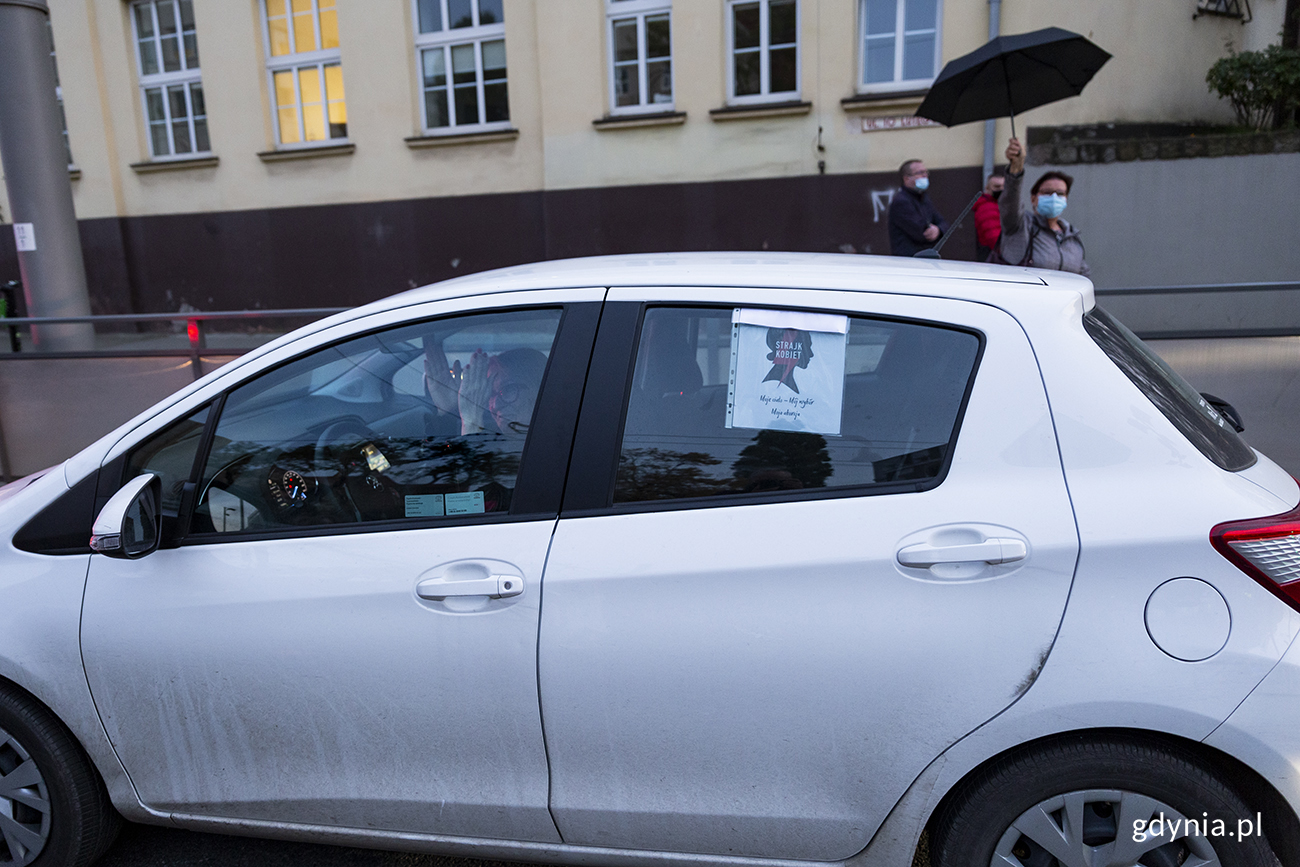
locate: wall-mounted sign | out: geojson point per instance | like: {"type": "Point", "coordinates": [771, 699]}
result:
{"type": "Point", "coordinates": [899, 121]}
{"type": "Point", "coordinates": [787, 371]}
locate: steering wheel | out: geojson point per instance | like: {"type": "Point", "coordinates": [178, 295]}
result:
{"type": "Point", "coordinates": [349, 431]}
{"type": "Point", "coordinates": [340, 435]}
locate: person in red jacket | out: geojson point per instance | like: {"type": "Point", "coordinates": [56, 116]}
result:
{"type": "Point", "coordinates": [988, 225]}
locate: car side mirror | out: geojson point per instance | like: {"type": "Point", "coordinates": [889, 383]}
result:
{"type": "Point", "coordinates": [130, 524]}
{"type": "Point", "coordinates": [1225, 409]}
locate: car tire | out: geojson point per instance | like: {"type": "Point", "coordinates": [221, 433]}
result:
{"type": "Point", "coordinates": [1071, 804]}
{"type": "Point", "coordinates": [54, 810]}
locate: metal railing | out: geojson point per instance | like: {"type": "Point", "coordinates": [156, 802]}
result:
{"type": "Point", "coordinates": [120, 336]}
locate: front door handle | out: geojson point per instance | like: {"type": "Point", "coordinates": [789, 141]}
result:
{"type": "Point", "coordinates": [991, 551]}
{"type": "Point", "coordinates": [494, 586]}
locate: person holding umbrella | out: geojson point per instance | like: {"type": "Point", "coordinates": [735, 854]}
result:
{"type": "Point", "coordinates": [1040, 238]}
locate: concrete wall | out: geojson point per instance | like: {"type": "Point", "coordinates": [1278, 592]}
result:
{"type": "Point", "coordinates": [1187, 222]}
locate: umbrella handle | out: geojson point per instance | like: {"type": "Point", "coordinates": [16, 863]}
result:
{"type": "Point", "coordinates": [1013, 126]}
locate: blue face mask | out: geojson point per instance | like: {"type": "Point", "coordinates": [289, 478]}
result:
{"type": "Point", "coordinates": [1051, 205]}
{"type": "Point", "coordinates": [923, 184]}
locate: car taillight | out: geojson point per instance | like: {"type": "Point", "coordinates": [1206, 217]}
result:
{"type": "Point", "coordinates": [1266, 549]}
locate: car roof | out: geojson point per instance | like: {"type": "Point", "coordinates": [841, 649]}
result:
{"type": "Point", "coordinates": [973, 281]}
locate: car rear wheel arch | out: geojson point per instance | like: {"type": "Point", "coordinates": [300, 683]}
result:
{"type": "Point", "coordinates": [1282, 826]}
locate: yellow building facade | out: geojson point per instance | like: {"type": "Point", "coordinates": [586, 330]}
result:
{"type": "Point", "coordinates": [293, 153]}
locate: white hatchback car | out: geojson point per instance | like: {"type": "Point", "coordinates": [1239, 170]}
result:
{"type": "Point", "coordinates": [715, 559]}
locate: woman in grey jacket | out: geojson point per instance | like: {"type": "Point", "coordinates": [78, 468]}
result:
{"type": "Point", "coordinates": [1040, 238]}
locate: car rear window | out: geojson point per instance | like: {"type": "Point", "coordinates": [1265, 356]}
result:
{"type": "Point", "coordinates": [1201, 423]}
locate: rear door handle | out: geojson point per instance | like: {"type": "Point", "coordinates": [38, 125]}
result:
{"type": "Point", "coordinates": [991, 551]}
{"type": "Point", "coordinates": [494, 586]}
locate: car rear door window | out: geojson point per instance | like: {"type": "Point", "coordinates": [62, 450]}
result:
{"type": "Point", "coordinates": [900, 388]}
{"type": "Point", "coordinates": [423, 422]}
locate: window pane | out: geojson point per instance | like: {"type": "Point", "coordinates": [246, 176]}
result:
{"type": "Point", "coordinates": [747, 73]}
{"type": "Point", "coordinates": [781, 70]}
{"type": "Point", "coordinates": [329, 29]}
{"type": "Point", "coordinates": [490, 12]}
{"type": "Point", "coordinates": [435, 109]}
{"type": "Point", "coordinates": [196, 100]}
{"type": "Point", "coordinates": [745, 31]}
{"type": "Point", "coordinates": [144, 20]}
{"type": "Point", "coordinates": [279, 28]}
{"type": "Point", "coordinates": [313, 112]}
{"type": "Point", "coordinates": [919, 14]}
{"type": "Point", "coordinates": [191, 51]}
{"type": "Point", "coordinates": [781, 27]}
{"type": "Point", "coordinates": [880, 59]}
{"type": "Point", "coordinates": [918, 56]}
{"type": "Point", "coordinates": [466, 97]}
{"type": "Point", "coordinates": [171, 53]}
{"type": "Point", "coordinates": [187, 14]}
{"type": "Point", "coordinates": [148, 57]}
{"type": "Point", "coordinates": [625, 47]}
{"type": "Point", "coordinates": [274, 7]}
{"type": "Point", "coordinates": [304, 26]}
{"type": "Point", "coordinates": [627, 85]}
{"type": "Point", "coordinates": [181, 136]}
{"type": "Point", "coordinates": [430, 14]}
{"type": "Point", "coordinates": [158, 139]}
{"type": "Point", "coordinates": [435, 68]}
{"type": "Point", "coordinates": [176, 102]}
{"type": "Point", "coordinates": [166, 17]}
{"type": "Point", "coordinates": [153, 98]}
{"type": "Point", "coordinates": [427, 421]}
{"type": "Point", "coordinates": [338, 112]}
{"type": "Point", "coordinates": [494, 59]}
{"type": "Point", "coordinates": [880, 15]}
{"type": "Point", "coordinates": [289, 132]}
{"type": "Point", "coordinates": [659, 81]}
{"type": "Point", "coordinates": [496, 104]}
{"type": "Point", "coordinates": [463, 68]}
{"type": "Point", "coordinates": [903, 386]}
{"type": "Point", "coordinates": [201, 142]}
{"type": "Point", "coordinates": [284, 93]}
{"type": "Point", "coordinates": [459, 13]}
{"type": "Point", "coordinates": [656, 36]}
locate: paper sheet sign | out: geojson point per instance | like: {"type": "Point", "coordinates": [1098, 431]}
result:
{"type": "Point", "coordinates": [787, 371]}
{"type": "Point", "coordinates": [25, 237]}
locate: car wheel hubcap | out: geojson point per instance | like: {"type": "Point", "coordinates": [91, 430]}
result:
{"type": "Point", "coordinates": [1105, 828]}
{"type": "Point", "coordinates": [24, 805]}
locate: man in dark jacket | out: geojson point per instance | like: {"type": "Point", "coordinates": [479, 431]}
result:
{"type": "Point", "coordinates": [914, 222]}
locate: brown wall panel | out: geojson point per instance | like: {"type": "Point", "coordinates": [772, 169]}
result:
{"type": "Point", "coordinates": [348, 254]}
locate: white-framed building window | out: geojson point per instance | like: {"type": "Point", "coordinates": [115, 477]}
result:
{"type": "Point", "coordinates": [900, 44]}
{"type": "Point", "coordinates": [460, 52]}
{"type": "Point", "coordinates": [640, 55]}
{"type": "Point", "coordinates": [763, 50]}
{"type": "Point", "coordinates": [167, 49]}
{"type": "Point", "coordinates": [306, 71]}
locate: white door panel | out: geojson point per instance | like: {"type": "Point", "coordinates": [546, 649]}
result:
{"type": "Point", "coordinates": [768, 679]}
{"type": "Point", "coordinates": [305, 680]}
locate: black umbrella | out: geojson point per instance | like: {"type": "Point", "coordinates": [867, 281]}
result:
{"type": "Point", "coordinates": [1012, 74]}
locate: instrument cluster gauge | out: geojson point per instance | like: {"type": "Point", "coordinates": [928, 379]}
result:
{"type": "Point", "coordinates": [290, 489]}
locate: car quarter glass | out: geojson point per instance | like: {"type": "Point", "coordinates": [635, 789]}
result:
{"type": "Point", "coordinates": [894, 396]}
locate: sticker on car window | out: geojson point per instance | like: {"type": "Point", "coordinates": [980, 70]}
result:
{"type": "Point", "coordinates": [465, 504]}
{"type": "Point", "coordinates": [424, 506]}
{"type": "Point", "coordinates": [787, 371]}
